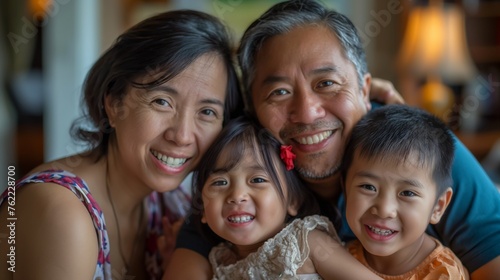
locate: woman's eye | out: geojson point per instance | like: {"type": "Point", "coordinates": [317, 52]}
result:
{"type": "Point", "coordinates": [162, 102]}
{"type": "Point", "coordinates": [208, 112]}
{"type": "Point", "coordinates": [280, 92]}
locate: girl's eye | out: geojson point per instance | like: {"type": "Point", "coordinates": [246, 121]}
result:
{"type": "Point", "coordinates": [258, 180]}
{"type": "Point", "coordinates": [368, 187]}
{"type": "Point", "coordinates": [408, 193]}
{"type": "Point", "coordinates": [280, 92]}
{"type": "Point", "coordinates": [219, 183]}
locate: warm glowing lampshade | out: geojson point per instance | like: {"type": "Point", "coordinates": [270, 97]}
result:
{"type": "Point", "coordinates": [435, 48]}
{"type": "Point", "coordinates": [435, 44]}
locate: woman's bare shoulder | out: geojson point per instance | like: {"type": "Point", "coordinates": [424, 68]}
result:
{"type": "Point", "coordinates": [53, 233]}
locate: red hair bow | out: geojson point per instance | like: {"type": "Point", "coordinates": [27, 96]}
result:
{"type": "Point", "coordinates": [287, 156]}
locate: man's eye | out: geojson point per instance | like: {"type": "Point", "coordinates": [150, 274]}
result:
{"type": "Point", "coordinates": [280, 92]}
{"type": "Point", "coordinates": [326, 83]}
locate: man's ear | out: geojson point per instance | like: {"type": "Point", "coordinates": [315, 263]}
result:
{"type": "Point", "coordinates": [441, 205]}
{"type": "Point", "coordinates": [365, 91]}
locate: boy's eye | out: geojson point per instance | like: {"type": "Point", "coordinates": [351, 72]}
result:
{"type": "Point", "coordinates": [368, 187]}
{"type": "Point", "coordinates": [408, 193]}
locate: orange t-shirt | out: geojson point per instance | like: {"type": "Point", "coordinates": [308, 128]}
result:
{"type": "Point", "coordinates": [441, 263]}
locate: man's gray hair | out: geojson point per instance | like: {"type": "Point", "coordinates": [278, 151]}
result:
{"type": "Point", "coordinates": [285, 16]}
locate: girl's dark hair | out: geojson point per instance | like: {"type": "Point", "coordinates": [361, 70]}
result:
{"type": "Point", "coordinates": [396, 132]}
{"type": "Point", "coordinates": [237, 139]}
{"type": "Point", "coordinates": [159, 48]}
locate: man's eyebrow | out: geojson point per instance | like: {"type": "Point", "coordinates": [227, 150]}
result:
{"type": "Point", "coordinates": [325, 69]}
{"type": "Point", "coordinates": [165, 88]}
{"type": "Point", "coordinates": [321, 70]}
{"type": "Point", "coordinates": [274, 79]}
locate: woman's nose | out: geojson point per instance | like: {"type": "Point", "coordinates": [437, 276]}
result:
{"type": "Point", "coordinates": [181, 131]}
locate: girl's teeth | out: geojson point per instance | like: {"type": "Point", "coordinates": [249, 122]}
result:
{"type": "Point", "coordinates": [240, 219]}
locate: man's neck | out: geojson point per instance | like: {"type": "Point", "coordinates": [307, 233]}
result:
{"type": "Point", "coordinates": [328, 188]}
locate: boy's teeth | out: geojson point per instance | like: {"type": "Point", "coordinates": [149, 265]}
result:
{"type": "Point", "coordinates": [240, 219]}
{"type": "Point", "coordinates": [170, 161]}
{"type": "Point", "coordinates": [314, 139]}
{"type": "Point", "coordinates": [379, 231]}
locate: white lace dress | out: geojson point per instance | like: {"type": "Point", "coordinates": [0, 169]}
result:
{"type": "Point", "coordinates": [278, 258]}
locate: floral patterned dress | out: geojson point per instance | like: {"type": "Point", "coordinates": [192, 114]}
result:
{"type": "Point", "coordinates": [155, 206]}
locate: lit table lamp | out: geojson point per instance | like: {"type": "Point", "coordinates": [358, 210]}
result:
{"type": "Point", "coordinates": [434, 47]}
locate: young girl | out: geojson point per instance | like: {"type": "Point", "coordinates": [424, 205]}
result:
{"type": "Point", "coordinates": [251, 198]}
{"type": "Point", "coordinates": [397, 181]}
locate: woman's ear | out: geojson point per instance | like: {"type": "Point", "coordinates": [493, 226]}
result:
{"type": "Point", "coordinates": [441, 205]}
{"type": "Point", "coordinates": [110, 107]}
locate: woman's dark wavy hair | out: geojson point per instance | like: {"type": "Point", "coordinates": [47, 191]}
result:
{"type": "Point", "coordinates": [159, 47]}
{"type": "Point", "coordinates": [237, 139]}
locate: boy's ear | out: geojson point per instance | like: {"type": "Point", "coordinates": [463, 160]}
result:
{"type": "Point", "coordinates": [441, 205]}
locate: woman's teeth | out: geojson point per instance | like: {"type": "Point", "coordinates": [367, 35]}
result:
{"type": "Point", "coordinates": [170, 161]}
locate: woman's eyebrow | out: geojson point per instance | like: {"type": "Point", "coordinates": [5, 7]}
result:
{"type": "Point", "coordinates": [171, 90]}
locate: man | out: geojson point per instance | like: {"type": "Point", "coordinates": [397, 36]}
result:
{"type": "Point", "coordinates": [306, 80]}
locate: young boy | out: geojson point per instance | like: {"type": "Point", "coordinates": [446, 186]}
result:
{"type": "Point", "coordinates": [397, 180]}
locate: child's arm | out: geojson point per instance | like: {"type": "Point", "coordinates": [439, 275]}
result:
{"type": "Point", "coordinates": [332, 261]}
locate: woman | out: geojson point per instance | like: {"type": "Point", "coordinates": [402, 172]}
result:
{"type": "Point", "coordinates": [156, 100]}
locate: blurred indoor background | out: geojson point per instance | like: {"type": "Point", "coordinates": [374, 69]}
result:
{"type": "Point", "coordinates": [443, 56]}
